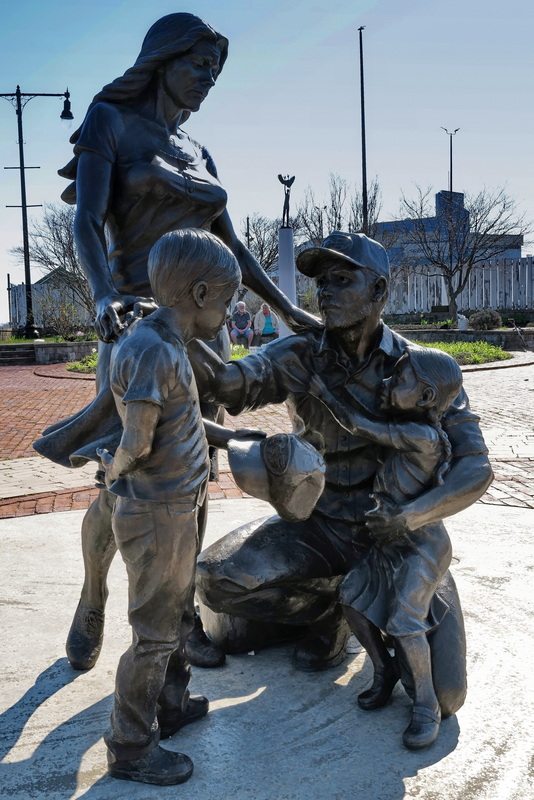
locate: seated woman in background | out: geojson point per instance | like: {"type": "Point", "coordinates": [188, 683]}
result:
{"type": "Point", "coordinates": [266, 325]}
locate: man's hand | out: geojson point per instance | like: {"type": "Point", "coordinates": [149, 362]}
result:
{"type": "Point", "coordinates": [219, 436]}
{"type": "Point", "coordinates": [386, 522]}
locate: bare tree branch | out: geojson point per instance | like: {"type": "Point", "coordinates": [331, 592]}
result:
{"type": "Point", "coordinates": [53, 250]}
{"type": "Point", "coordinates": [465, 231]}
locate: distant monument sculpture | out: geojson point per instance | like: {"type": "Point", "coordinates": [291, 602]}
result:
{"type": "Point", "coordinates": [136, 175]}
{"type": "Point", "coordinates": [402, 450]}
{"type": "Point", "coordinates": [287, 183]}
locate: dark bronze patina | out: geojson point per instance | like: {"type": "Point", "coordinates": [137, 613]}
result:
{"type": "Point", "coordinates": [136, 176]}
{"type": "Point", "coordinates": [402, 451]}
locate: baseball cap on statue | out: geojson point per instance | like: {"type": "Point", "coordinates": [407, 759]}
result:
{"type": "Point", "coordinates": [283, 469]}
{"type": "Point", "coordinates": [353, 248]}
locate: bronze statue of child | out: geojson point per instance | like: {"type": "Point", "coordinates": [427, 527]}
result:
{"type": "Point", "coordinates": [393, 587]}
{"type": "Point", "coordinates": [159, 475]}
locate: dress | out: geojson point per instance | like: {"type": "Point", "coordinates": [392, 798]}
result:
{"type": "Point", "coordinates": [160, 184]}
{"type": "Point", "coordinates": [394, 586]}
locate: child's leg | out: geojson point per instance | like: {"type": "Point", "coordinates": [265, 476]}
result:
{"type": "Point", "coordinates": [158, 543]}
{"type": "Point", "coordinates": [386, 673]}
{"type": "Point", "coordinates": [424, 727]}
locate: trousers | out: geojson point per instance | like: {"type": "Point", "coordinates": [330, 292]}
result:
{"type": "Point", "coordinates": [159, 543]}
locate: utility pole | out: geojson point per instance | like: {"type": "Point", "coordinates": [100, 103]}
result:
{"type": "Point", "coordinates": [365, 212]}
{"type": "Point", "coordinates": [19, 100]}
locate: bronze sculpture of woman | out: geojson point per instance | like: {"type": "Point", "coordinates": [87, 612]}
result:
{"type": "Point", "coordinates": [138, 175]}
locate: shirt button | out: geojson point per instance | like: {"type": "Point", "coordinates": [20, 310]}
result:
{"type": "Point", "coordinates": [190, 189]}
{"type": "Point", "coordinates": [345, 468]}
{"type": "Point", "coordinates": [345, 494]}
{"type": "Point", "coordinates": [343, 438]}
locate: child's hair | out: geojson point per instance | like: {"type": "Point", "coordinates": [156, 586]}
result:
{"type": "Point", "coordinates": [181, 258]}
{"type": "Point", "coordinates": [440, 372]}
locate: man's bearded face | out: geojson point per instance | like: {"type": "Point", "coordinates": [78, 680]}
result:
{"type": "Point", "coordinates": [345, 295]}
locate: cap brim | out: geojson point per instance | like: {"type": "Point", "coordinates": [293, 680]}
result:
{"type": "Point", "coordinates": [311, 262]}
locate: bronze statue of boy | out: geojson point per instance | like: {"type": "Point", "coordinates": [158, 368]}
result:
{"type": "Point", "coordinates": [159, 476]}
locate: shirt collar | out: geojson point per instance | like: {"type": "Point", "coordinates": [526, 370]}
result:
{"type": "Point", "coordinates": [387, 343]}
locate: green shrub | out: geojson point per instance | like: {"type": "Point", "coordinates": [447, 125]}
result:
{"type": "Point", "coordinates": [238, 351]}
{"type": "Point", "coordinates": [485, 320]}
{"type": "Point", "coordinates": [86, 365]}
{"type": "Point", "coordinates": [470, 352]}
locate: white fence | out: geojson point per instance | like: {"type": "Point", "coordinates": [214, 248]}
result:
{"type": "Point", "coordinates": [503, 284]}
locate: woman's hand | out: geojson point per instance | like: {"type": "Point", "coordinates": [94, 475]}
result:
{"type": "Point", "coordinates": [300, 321]}
{"type": "Point", "coordinates": [115, 312]}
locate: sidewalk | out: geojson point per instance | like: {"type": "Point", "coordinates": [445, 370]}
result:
{"type": "Point", "coordinates": [34, 397]}
{"type": "Point", "coordinates": [272, 732]}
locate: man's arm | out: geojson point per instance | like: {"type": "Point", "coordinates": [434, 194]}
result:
{"type": "Point", "coordinates": [466, 481]}
{"type": "Point", "coordinates": [219, 436]}
{"type": "Point", "coordinates": [140, 421]}
{"type": "Point", "coordinates": [216, 381]}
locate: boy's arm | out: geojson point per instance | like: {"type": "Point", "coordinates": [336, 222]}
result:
{"type": "Point", "coordinates": [140, 421]}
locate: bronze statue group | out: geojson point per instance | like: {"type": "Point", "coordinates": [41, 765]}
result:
{"type": "Point", "coordinates": [389, 446]}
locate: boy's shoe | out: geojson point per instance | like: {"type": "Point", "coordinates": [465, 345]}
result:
{"type": "Point", "coordinates": [197, 707]}
{"type": "Point", "coordinates": [86, 634]}
{"type": "Point", "coordinates": [423, 728]}
{"type": "Point", "coordinates": [200, 651]}
{"type": "Point", "coordinates": [160, 767]}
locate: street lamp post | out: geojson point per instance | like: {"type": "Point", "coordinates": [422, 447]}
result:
{"type": "Point", "coordinates": [19, 100]}
{"type": "Point", "coordinates": [365, 212]}
{"type": "Point", "coordinates": [450, 134]}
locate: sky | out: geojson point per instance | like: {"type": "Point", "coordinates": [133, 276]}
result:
{"type": "Point", "coordinates": [288, 98]}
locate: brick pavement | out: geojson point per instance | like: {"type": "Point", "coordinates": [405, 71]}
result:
{"type": "Point", "coordinates": [30, 402]}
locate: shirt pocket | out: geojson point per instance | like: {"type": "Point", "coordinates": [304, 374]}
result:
{"type": "Point", "coordinates": [135, 533]}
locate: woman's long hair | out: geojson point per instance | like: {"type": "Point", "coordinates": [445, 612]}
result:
{"type": "Point", "coordinates": [169, 37]}
{"type": "Point", "coordinates": [438, 370]}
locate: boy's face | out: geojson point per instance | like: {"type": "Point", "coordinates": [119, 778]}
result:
{"type": "Point", "coordinates": [211, 317]}
{"type": "Point", "coordinates": [403, 390]}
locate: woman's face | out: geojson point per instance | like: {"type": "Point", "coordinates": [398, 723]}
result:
{"type": "Point", "coordinates": [187, 79]}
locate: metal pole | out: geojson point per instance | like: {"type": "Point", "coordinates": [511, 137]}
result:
{"type": "Point", "coordinates": [25, 241]}
{"type": "Point", "coordinates": [450, 134]}
{"type": "Point", "coordinates": [365, 212]}
{"type": "Point", "coordinates": [9, 298]}
{"type": "Point", "coordinates": [450, 165]}
{"type": "Point", "coordinates": [66, 114]}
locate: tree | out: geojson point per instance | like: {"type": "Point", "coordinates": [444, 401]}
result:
{"type": "Point", "coordinates": [262, 236]}
{"type": "Point", "coordinates": [52, 248]}
{"type": "Point", "coordinates": [466, 231]}
{"type": "Point", "coordinates": [341, 209]}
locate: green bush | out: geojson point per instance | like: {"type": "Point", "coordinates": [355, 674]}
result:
{"type": "Point", "coordinates": [470, 352]}
{"type": "Point", "coordinates": [238, 351]}
{"type": "Point", "coordinates": [485, 320]}
{"type": "Point", "coordinates": [86, 365]}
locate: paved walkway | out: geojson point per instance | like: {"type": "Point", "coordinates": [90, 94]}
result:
{"type": "Point", "coordinates": [34, 397]}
